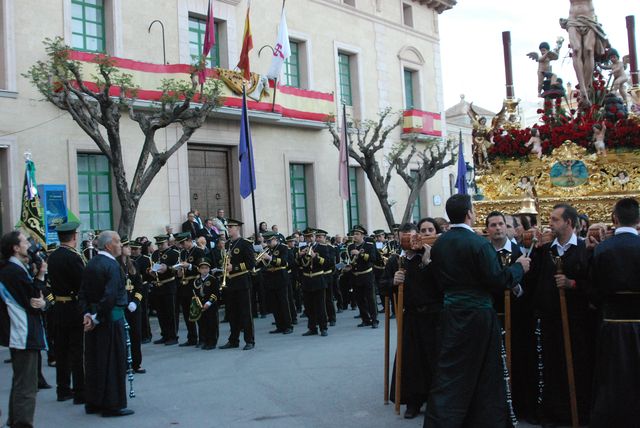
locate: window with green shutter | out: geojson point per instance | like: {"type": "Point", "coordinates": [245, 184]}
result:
{"type": "Point", "coordinates": [354, 208]}
{"type": "Point", "coordinates": [94, 192]}
{"type": "Point", "coordinates": [298, 180]}
{"type": "Point", "coordinates": [344, 74]}
{"type": "Point", "coordinates": [87, 25]}
{"type": "Point", "coordinates": [415, 211]}
{"type": "Point", "coordinates": [197, 28]}
{"type": "Point", "coordinates": [292, 66]}
{"type": "Point", "coordinates": [408, 89]}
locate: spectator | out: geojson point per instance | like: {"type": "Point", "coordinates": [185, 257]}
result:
{"type": "Point", "coordinates": [21, 326]}
{"type": "Point", "coordinates": [191, 225]}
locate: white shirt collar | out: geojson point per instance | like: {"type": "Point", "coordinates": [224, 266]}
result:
{"type": "Point", "coordinates": [463, 225]}
{"type": "Point", "coordinates": [506, 246]}
{"type": "Point", "coordinates": [626, 229]}
{"type": "Point", "coordinates": [107, 254]}
{"type": "Point", "coordinates": [563, 248]}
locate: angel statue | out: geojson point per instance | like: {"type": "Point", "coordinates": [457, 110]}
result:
{"type": "Point", "coordinates": [536, 142]}
{"type": "Point", "coordinates": [544, 60]}
{"type": "Point", "coordinates": [483, 134]}
{"type": "Point", "coordinates": [620, 78]}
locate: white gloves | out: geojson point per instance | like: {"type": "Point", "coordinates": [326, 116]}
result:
{"type": "Point", "coordinates": [132, 307]}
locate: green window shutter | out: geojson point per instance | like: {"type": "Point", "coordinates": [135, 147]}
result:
{"type": "Point", "coordinates": [354, 208]}
{"type": "Point", "coordinates": [292, 66]}
{"type": "Point", "coordinates": [94, 192]}
{"type": "Point", "coordinates": [408, 89]}
{"type": "Point", "coordinates": [298, 181]}
{"type": "Point", "coordinates": [344, 73]}
{"type": "Point", "coordinates": [197, 29]}
{"type": "Point", "coordinates": [87, 25]}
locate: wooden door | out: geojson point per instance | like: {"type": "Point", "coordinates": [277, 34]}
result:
{"type": "Point", "coordinates": [209, 180]}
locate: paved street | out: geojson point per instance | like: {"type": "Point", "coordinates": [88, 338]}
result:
{"type": "Point", "coordinates": [286, 381]}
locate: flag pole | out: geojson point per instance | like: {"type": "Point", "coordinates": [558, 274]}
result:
{"type": "Point", "coordinates": [250, 158]}
{"type": "Point", "coordinates": [275, 91]}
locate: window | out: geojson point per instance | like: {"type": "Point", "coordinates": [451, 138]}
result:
{"type": "Point", "coordinates": [415, 211]}
{"type": "Point", "coordinates": [408, 89]}
{"type": "Point", "coordinates": [298, 180]}
{"type": "Point", "coordinates": [292, 66]}
{"type": "Point", "coordinates": [407, 15]}
{"type": "Point", "coordinates": [87, 25]}
{"type": "Point", "coordinates": [94, 192]}
{"type": "Point", "coordinates": [197, 28]}
{"type": "Point", "coordinates": [354, 208]}
{"type": "Point", "coordinates": [344, 73]}
{"type": "Point", "coordinates": [350, 2]}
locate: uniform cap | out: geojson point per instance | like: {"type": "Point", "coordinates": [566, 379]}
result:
{"type": "Point", "coordinates": [67, 227]}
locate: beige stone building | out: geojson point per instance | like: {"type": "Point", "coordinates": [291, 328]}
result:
{"type": "Point", "coordinates": [370, 54]}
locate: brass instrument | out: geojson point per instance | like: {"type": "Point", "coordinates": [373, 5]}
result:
{"type": "Point", "coordinates": [226, 259]}
{"type": "Point", "coordinates": [262, 254]}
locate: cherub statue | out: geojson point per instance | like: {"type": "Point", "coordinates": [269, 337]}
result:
{"type": "Point", "coordinates": [620, 78]}
{"type": "Point", "coordinates": [544, 60]}
{"type": "Point", "coordinates": [482, 135]}
{"type": "Point", "coordinates": [526, 186]}
{"type": "Point", "coordinates": [536, 142]}
{"type": "Point", "coordinates": [623, 178]}
{"type": "Point", "coordinates": [599, 131]}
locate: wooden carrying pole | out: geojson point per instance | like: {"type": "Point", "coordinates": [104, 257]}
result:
{"type": "Point", "coordinates": [387, 326]}
{"type": "Point", "coordinates": [399, 319]}
{"type": "Point", "coordinates": [507, 327]}
{"type": "Point", "coordinates": [566, 334]}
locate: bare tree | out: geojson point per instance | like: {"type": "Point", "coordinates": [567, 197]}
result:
{"type": "Point", "coordinates": [368, 137]}
{"type": "Point", "coordinates": [98, 112]}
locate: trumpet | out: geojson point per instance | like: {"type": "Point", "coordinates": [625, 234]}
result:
{"type": "Point", "coordinates": [262, 254]}
{"type": "Point", "coordinates": [225, 264]}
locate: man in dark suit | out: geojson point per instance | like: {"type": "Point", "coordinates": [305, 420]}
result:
{"type": "Point", "coordinates": [469, 389]}
{"type": "Point", "coordinates": [103, 299]}
{"type": "Point", "coordinates": [191, 225]}
{"type": "Point", "coordinates": [210, 234]}
{"type": "Point", "coordinates": [615, 273]}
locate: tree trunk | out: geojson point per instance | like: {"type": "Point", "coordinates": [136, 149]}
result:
{"type": "Point", "coordinates": [408, 209]}
{"type": "Point", "coordinates": [127, 219]}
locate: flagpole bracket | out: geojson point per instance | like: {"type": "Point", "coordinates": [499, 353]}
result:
{"type": "Point", "coordinates": [28, 156]}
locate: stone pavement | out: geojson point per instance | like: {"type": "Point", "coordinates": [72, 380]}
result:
{"type": "Point", "coordinates": [286, 381]}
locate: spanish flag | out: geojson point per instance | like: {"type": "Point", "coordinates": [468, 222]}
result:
{"type": "Point", "coordinates": [247, 45]}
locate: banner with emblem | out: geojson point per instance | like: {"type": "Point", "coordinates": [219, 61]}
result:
{"type": "Point", "coordinates": [31, 215]}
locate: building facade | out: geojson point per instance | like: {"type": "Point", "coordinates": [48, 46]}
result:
{"type": "Point", "coordinates": [367, 54]}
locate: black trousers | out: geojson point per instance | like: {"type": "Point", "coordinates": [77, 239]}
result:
{"type": "Point", "coordinates": [24, 387]}
{"type": "Point", "coordinates": [144, 312]}
{"type": "Point", "coordinates": [69, 341]}
{"type": "Point", "coordinates": [316, 310]}
{"type": "Point", "coordinates": [328, 297]}
{"type": "Point", "coordinates": [192, 329]}
{"type": "Point", "coordinates": [279, 304]}
{"type": "Point", "coordinates": [166, 315]}
{"type": "Point", "coordinates": [258, 296]}
{"type": "Point", "coordinates": [468, 389]}
{"type": "Point", "coordinates": [134, 319]}
{"type": "Point", "coordinates": [291, 298]}
{"type": "Point", "coordinates": [238, 303]}
{"type": "Point", "coordinates": [208, 326]}
{"type": "Point", "coordinates": [345, 284]}
{"type": "Point", "coordinates": [365, 296]}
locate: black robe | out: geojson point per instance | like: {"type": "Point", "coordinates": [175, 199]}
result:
{"type": "Point", "coordinates": [103, 294]}
{"type": "Point", "coordinates": [615, 274]}
{"type": "Point", "coordinates": [469, 388]}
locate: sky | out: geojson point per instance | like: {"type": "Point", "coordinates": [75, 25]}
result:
{"type": "Point", "coordinates": [471, 45]}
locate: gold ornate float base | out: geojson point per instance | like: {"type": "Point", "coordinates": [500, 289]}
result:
{"type": "Point", "coordinates": [591, 183]}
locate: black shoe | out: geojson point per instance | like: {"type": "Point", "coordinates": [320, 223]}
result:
{"type": "Point", "coordinates": [44, 385]}
{"type": "Point", "coordinates": [119, 412]}
{"type": "Point", "coordinates": [374, 324]}
{"type": "Point", "coordinates": [277, 330]}
{"type": "Point", "coordinates": [139, 370]}
{"type": "Point", "coordinates": [323, 333]}
{"type": "Point", "coordinates": [208, 347]}
{"type": "Point", "coordinates": [357, 316]}
{"type": "Point", "coordinates": [339, 311]}
{"type": "Point", "coordinates": [294, 322]}
{"type": "Point", "coordinates": [412, 411]}
{"type": "Point", "coordinates": [171, 342]}
{"type": "Point", "coordinates": [78, 400]}
{"type": "Point", "coordinates": [332, 323]}
{"type": "Point", "coordinates": [65, 397]}
{"type": "Point", "coordinates": [392, 317]}
{"type": "Point", "coordinates": [310, 333]}
{"type": "Point", "coordinates": [7, 361]}
{"type": "Point", "coordinates": [304, 316]}
{"type": "Point", "coordinates": [248, 347]}
{"type": "Point", "coordinates": [146, 340]}
{"type": "Point", "coordinates": [288, 331]}
{"type": "Point", "coordinates": [263, 316]}
{"type": "Point", "coordinates": [90, 409]}
{"type": "Point", "coordinates": [159, 341]}
{"type": "Point", "coordinates": [187, 343]}
{"type": "Point", "coordinates": [273, 323]}
{"type": "Point", "coordinates": [229, 345]}
{"type": "Point", "coordinates": [364, 324]}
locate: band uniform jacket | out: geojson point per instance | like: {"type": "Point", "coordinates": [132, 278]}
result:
{"type": "Point", "coordinates": [242, 260]}
{"type": "Point", "coordinates": [362, 264]}
{"type": "Point", "coordinates": [193, 257]}
{"type": "Point", "coordinates": [312, 269]}
{"type": "Point", "coordinates": [165, 283]}
{"type": "Point", "coordinates": [65, 266]}
{"type": "Point", "coordinates": [275, 271]}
